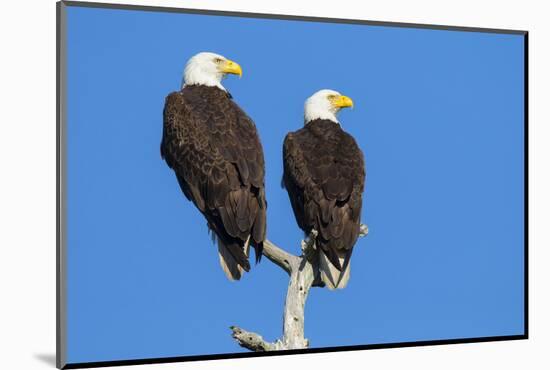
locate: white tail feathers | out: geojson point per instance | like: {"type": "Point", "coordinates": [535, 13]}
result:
{"type": "Point", "coordinates": [331, 276]}
{"type": "Point", "coordinates": [229, 265]}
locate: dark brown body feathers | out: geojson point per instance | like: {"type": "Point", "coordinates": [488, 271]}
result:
{"type": "Point", "coordinates": [324, 174]}
{"type": "Point", "coordinates": [215, 151]}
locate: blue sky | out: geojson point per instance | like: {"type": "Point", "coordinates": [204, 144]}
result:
{"type": "Point", "coordinates": [438, 114]}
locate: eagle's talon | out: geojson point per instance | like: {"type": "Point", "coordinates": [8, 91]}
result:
{"type": "Point", "coordinates": [308, 245]}
{"type": "Point", "coordinates": [303, 245]}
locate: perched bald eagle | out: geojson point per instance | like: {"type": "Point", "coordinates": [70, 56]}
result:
{"type": "Point", "coordinates": [324, 174]}
{"type": "Point", "coordinates": [214, 149]}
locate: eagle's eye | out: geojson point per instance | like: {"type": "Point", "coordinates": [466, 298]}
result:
{"type": "Point", "coordinates": [218, 60]}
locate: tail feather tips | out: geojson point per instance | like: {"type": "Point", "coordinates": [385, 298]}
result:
{"type": "Point", "coordinates": [233, 259]}
{"type": "Point", "coordinates": [331, 275]}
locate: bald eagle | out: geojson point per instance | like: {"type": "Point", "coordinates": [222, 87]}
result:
{"type": "Point", "coordinates": [216, 154]}
{"type": "Point", "coordinates": [324, 174]}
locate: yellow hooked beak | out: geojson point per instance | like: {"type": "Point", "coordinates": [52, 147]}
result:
{"type": "Point", "coordinates": [230, 66]}
{"type": "Point", "coordinates": [342, 101]}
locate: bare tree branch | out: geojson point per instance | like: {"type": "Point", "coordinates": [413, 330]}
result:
{"type": "Point", "coordinates": [304, 274]}
{"type": "Point", "coordinates": [278, 256]}
{"type": "Point", "coordinates": [251, 341]}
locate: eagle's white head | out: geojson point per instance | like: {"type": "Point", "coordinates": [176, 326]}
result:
{"type": "Point", "coordinates": [325, 104]}
{"type": "Point", "coordinates": [209, 69]}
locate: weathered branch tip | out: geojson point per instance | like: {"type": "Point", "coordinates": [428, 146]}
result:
{"type": "Point", "coordinates": [363, 230]}
{"type": "Point", "coordinates": [251, 341]}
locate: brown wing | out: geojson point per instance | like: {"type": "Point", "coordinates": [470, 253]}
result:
{"type": "Point", "coordinates": [214, 149]}
{"type": "Point", "coordinates": [324, 175]}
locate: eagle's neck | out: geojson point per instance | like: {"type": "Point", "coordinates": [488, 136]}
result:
{"type": "Point", "coordinates": [194, 75]}
{"type": "Point", "coordinates": [322, 124]}
{"type": "Point", "coordinates": [319, 110]}
{"type": "Point", "coordinates": [184, 83]}
{"type": "Point", "coordinates": [208, 90]}
{"type": "Point", "coordinates": [318, 119]}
